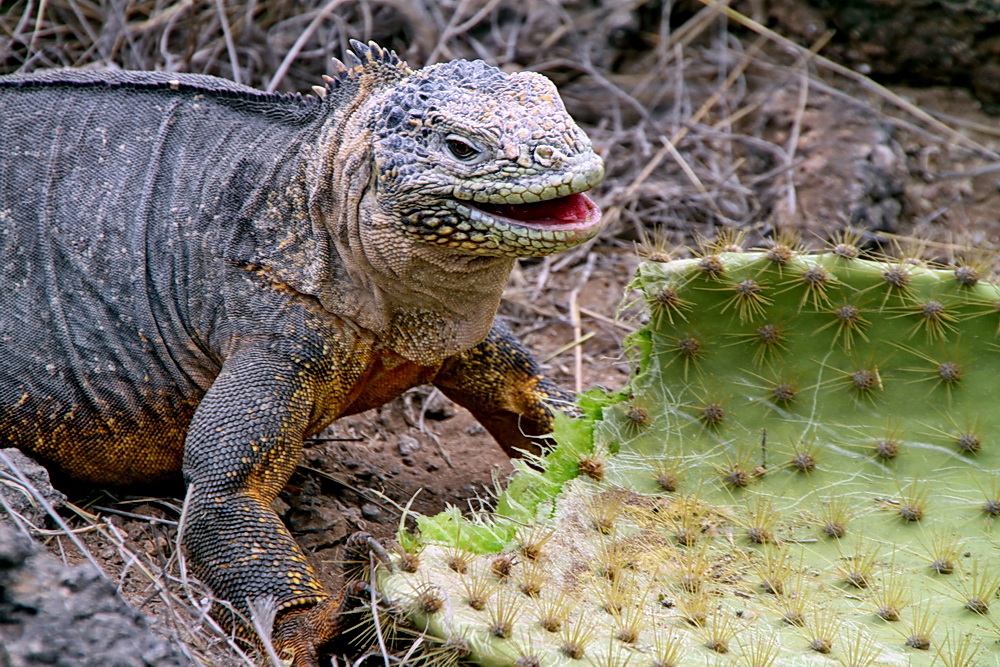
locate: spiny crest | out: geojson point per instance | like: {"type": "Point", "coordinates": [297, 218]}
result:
{"type": "Point", "coordinates": [371, 60]}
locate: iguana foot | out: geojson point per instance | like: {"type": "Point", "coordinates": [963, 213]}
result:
{"type": "Point", "coordinates": [301, 632]}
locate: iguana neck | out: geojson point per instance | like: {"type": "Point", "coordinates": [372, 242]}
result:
{"type": "Point", "coordinates": [424, 302]}
{"type": "Point", "coordinates": [322, 233]}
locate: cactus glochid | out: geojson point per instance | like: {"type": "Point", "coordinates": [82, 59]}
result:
{"type": "Point", "coordinates": [804, 469]}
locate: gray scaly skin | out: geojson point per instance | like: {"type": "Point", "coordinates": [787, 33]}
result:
{"type": "Point", "coordinates": [198, 275]}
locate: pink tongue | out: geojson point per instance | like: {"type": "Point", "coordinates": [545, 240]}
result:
{"type": "Point", "coordinates": [563, 210]}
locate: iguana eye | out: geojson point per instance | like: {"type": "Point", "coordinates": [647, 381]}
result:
{"type": "Point", "coordinates": [462, 148]}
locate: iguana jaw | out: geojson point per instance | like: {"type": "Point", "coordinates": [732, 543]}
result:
{"type": "Point", "coordinates": [536, 217]}
{"type": "Point", "coordinates": [523, 230]}
{"type": "Point", "coordinates": [575, 212]}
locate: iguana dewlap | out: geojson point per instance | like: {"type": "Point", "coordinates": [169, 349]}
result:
{"type": "Point", "coordinates": [198, 275]}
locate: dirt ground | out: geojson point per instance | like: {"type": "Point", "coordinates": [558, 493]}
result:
{"type": "Point", "coordinates": [781, 149]}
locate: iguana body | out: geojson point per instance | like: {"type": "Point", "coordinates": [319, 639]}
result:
{"type": "Point", "coordinates": [198, 275]}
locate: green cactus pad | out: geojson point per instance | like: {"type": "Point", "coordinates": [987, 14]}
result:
{"type": "Point", "coordinates": [804, 470]}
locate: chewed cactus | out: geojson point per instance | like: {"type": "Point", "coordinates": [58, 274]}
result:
{"type": "Point", "coordinates": [804, 470]}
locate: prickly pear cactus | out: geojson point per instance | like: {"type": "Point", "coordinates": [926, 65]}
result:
{"type": "Point", "coordinates": [804, 470]}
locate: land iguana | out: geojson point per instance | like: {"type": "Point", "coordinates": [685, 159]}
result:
{"type": "Point", "coordinates": [198, 275]}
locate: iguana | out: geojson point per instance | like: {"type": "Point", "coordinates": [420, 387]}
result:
{"type": "Point", "coordinates": [198, 275]}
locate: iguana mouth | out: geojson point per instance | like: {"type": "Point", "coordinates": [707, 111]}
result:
{"type": "Point", "coordinates": [573, 211]}
{"type": "Point", "coordinates": [516, 230]}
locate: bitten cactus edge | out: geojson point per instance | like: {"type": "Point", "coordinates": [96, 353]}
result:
{"type": "Point", "coordinates": [804, 470]}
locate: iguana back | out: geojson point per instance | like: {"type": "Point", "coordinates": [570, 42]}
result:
{"type": "Point", "coordinates": [115, 210]}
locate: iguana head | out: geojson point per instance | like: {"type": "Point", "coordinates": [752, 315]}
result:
{"type": "Point", "coordinates": [428, 184]}
{"type": "Point", "coordinates": [472, 158]}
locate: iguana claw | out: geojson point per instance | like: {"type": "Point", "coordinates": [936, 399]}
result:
{"type": "Point", "coordinates": [360, 545]}
{"type": "Point", "coordinates": [301, 632]}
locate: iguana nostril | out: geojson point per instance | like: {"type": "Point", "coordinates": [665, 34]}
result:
{"type": "Point", "coordinates": [547, 156]}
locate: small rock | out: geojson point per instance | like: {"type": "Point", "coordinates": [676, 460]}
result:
{"type": "Point", "coordinates": [15, 548]}
{"type": "Point", "coordinates": [475, 429]}
{"type": "Point", "coordinates": [371, 512]}
{"type": "Point", "coordinates": [68, 616]}
{"type": "Point", "coordinates": [408, 445]}
{"type": "Point", "coordinates": [280, 507]}
{"type": "Point", "coordinates": [353, 517]}
{"type": "Point", "coordinates": [313, 518]}
{"type": "Point", "coordinates": [317, 526]}
{"type": "Point", "coordinates": [19, 498]}
{"type": "Point", "coordinates": [438, 408]}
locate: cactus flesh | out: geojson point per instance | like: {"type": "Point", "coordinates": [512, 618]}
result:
{"type": "Point", "coordinates": [804, 470]}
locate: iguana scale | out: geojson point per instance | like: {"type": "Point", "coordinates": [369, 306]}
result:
{"type": "Point", "coordinates": [198, 275]}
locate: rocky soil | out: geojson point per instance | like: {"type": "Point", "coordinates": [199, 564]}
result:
{"type": "Point", "coordinates": [57, 614]}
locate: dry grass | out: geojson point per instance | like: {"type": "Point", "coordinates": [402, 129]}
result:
{"type": "Point", "coordinates": [674, 103]}
{"type": "Point", "coordinates": [682, 108]}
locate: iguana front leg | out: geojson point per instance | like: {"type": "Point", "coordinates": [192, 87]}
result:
{"type": "Point", "coordinates": [500, 383]}
{"type": "Point", "coordinates": [243, 444]}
